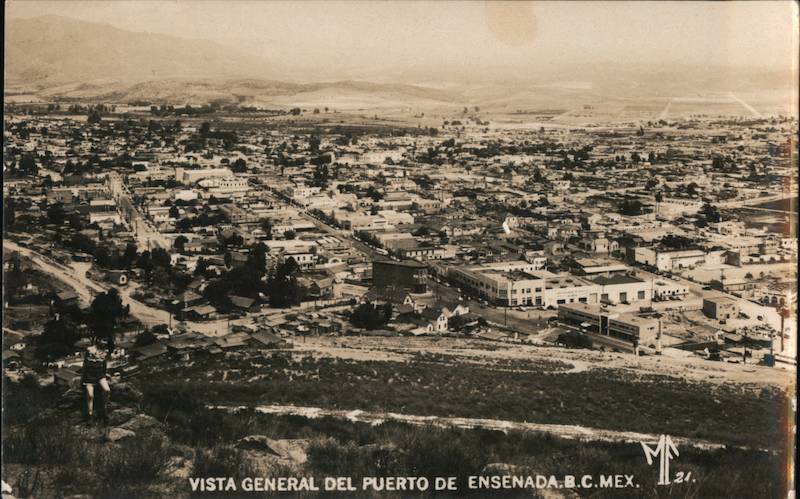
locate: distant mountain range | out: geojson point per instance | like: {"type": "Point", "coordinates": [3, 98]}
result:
{"type": "Point", "coordinates": [51, 50]}
{"type": "Point", "coordinates": [57, 57]}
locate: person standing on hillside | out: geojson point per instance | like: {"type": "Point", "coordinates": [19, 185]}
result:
{"type": "Point", "coordinates": [93, 376]}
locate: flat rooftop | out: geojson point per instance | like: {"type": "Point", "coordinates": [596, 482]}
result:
{"type": "Point", "coordinates": [599, 262]}
{"type": "Point", "coordinates": [519, 275]}
{"type": "Point", "coordinates": [403, 263]}
{"type": "Point", "coordinates": [565, 282]}
{"type": "Point", "coordinates": [616, 279]}
{"type": "Point", "coordinates": [721, 299]}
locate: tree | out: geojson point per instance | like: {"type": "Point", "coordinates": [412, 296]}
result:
{"type": "Point", "coordinates": [691, 189]}
{"type": "Point", "coordinates": [630, 207]}
{"type": "Point", "coordinates": [321, 175]}
{"type": "Point", "coordinates": [61, 333]}
{"type": "Point", "coordinates": [180, 243]}
{"type": "Point", "coordinates": [94, 116]}
{"type": "Point", "coordinates": [314, 141]}
{"type": "Point", "coordinates": [387, 311]}
{"type": "Point", "coordinates": [456, 323]}
{"type": "Point", "coordinates": [228, 259]}
{"type": "Point", "coordinates": [201, 268]}
{"type": "Point", "coordinates": [146, 337]}
{"type": "Point", "coordinates": [56, 214]}
{"type": "Point", "coordinates": [574, 339]}
{"type": "Point", "coordinates": [289, 234]}
{"type": "Point", "coordinates": [422, 231]}
{"type": "Point", "coordinates": [161, 258]}
{"type": "Point", "coordinates": [9, 212]}
{"type": "Point", "coordinates": [369, 316]}
{"type": "Point", "coordinates": [106, 309]}
{"type": "Point", "coordinates": [28, 166]}
{"type": "Point", "coordinates": [130, 255]}
{"type": "Point", "coordinates": [266, 226]}
{"type": "Point", "coordinates": [710, 213]}
{"type": "Point", "coordinates": [373, 193]}
{"type": "Point", "coordinates": [257, 257]}
{"type": "Point", "coordinates": [675, 241]}
{"type": "Point", "coordinates": [205, 128]}
{"type": "Point", "coordinates": [282, 286]}
{"type": "Point", "coordinates": [174, 212]}
{"type": "Point", "coordinates": [145, 262]}
{"type": "Point", "coordinates": [239, 166]}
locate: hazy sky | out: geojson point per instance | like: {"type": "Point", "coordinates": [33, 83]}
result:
{"type": "Point", "coordinates": [462, 34]}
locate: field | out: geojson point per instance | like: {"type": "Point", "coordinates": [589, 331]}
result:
{"type": "Point", "coordinates": [462, 385]}
{"type": "Point", "coordinates": [167, 424]}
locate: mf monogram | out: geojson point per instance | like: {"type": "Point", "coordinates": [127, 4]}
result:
{"type": "Point", "coordinates": [664, 450]}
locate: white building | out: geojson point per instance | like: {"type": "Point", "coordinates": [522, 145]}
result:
{"type": "Point", "coordinates": [667, 261]}
{"type": "Point", "coordinates": [225, 185]}
{"type": "Point", "coordinates": [192, 176]}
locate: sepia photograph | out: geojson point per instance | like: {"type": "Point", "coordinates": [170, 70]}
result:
{"type": "Point", "coordinates": [399, 249]}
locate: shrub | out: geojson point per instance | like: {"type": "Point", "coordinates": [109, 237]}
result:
{"type": "Point", "coordinates": [222, 461]}
{"type": "Point", "coordinates": [574, 340]}
{"type": "Point", "coordinates": [368, 316]}
{"type": "Point", "coordinates": [138, 462]}
{"type": "Point", "coordinates": [433, 452]}
{"type": "Point", "coordinates": [42, 443]}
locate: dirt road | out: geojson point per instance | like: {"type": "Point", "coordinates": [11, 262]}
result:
{"type": "Point", "coordinates": [394, 349]}
{"type": "Point", "coordinates": [570, 432]}
{"type": "Point", "coordinates": [74, 275]}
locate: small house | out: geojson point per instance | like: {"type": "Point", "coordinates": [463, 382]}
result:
{"type": "Point", "coordinates": [266, 339]}
{"type": "Point", "coordinates": [67, 298]}
{"type": "Point", "coordinates": [117, 277]}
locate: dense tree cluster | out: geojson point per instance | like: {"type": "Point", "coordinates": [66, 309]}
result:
{"type": "Point", "coordinates": [369, 316]}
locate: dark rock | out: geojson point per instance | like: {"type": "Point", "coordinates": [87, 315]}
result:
{"type": "Point", "coordinates": [71, 398]}
{"type": "Point", "coordinates": [121, 415]}
{"type": "Point", "coordinates": [125, 393]}
{"type": "Point", "coordinates": [141, 422]}
{"type": "Point", "coordinates": [256, 442]}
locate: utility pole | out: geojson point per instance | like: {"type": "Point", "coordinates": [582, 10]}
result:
{"type": "Point", "coordinates": [744, 350]}
{"type": "Point", "coordinates": [783, 313]}
{"type": "Point", "coordinates": [772, 344]}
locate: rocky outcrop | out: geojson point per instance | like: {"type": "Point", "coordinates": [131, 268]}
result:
{"type": "Point", "coordinates": [293, 450]}
{"type": "Point", "coordinates": [117, 434]}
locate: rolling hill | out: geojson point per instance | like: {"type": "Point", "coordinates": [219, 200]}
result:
{"type": "Point", "coordinates": [51, 50]}
{"type": "Point", "coordinates": [52, 57]}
